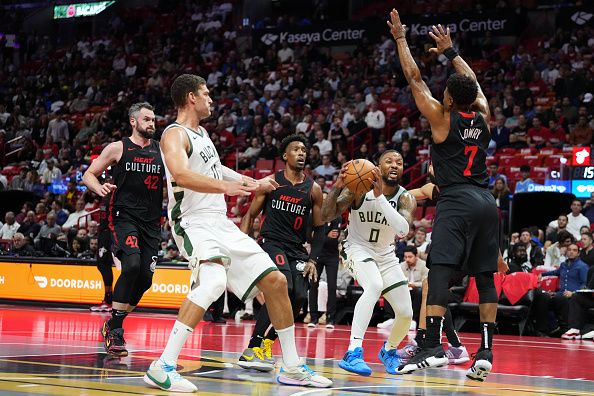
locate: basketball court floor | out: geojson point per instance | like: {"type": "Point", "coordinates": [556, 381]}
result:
{"type": "Point", "coordinates": [52, 351]}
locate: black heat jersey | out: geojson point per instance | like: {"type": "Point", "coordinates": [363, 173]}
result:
{"type": "Point", "coordinates": [461, 158]}
{"type": "Point", "coordinates": [287, 211]}
{"type": "Point", "coordinates": [139, 179]}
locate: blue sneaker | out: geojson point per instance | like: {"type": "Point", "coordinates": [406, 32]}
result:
{"type": "Point", "coordinates": [390, 359]}
{"type": "Point", "coordinates": [353, 362]}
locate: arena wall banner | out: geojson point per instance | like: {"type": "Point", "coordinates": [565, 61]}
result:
{"type": "Point", "coordinates": [82, 284]}
{"type": "Point", "coordinates": [574, 17]}
{"type": "Point", "coordinates": [352, 33]}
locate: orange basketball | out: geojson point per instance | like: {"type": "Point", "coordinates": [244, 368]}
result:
{"type": "Point", "coordinates": [357, 176]}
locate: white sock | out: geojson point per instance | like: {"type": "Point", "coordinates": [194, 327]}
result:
{"type": "Point", "coordinates": [288, 347]}
{"type": "Point", "coordinates": [399, 299]}
{"type": "Point", "coordinates": [177, 339]}
{"type": "Point", "coordinates": [356, 342]}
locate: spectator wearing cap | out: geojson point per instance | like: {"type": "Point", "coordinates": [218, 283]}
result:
{"type": "Point", "coordinates": [525, 181]}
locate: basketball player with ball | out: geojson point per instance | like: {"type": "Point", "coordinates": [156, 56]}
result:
{"type": "Point", "coordinates": [379, 210]}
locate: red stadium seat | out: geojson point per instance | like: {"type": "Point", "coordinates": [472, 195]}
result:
{"type": "Point", "coordinates": [265, 164]}
{"type": "Point", "coordinates": [505, 160]}
{"type": "Point", "coordinates": [532, 160]}
{"type": "Point", "coordinates": [526, 151]}
{"type": "Point", "coordinates": [507, 151]}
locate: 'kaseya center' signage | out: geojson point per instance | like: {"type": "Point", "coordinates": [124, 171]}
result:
{"type": "Point", "coordinates": [352, 33]}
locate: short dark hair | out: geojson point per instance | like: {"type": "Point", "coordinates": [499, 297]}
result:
{"type": "Point", "coordinates": [588, 234]}
{"type": "Point", "coordinates": [463, 89]}
{"type": "Point", "coordinates": [525, 168]}
{"type": "Point", "coordinates": [182, 86]}
{"type": "Point", "coordinates": [388, 152]}
{"type": "Point", "coordinates": [290, 139]}
{"type": "Point", "coordinates": [564, 235]}
{"type": "Point", "coordinates": [410, 249]}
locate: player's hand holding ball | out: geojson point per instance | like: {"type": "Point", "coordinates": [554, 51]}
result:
{"type": "Point", "coordinates": [339, 183]}
{"type": "Point", "coordinates": [358, 176]}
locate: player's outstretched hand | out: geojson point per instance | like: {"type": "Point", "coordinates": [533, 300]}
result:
{"type": "Point", "coordinates": [442, 39]}
{"type": "Point", "coordinates": [502, 266]}
{"type": "Point", "coordinates": [397, 29]}
{"type": "Point", "coordinates": [240, 187]}
{"type": "Point", "coordinates": [267, 184]}
{"type": "Point", "coordinates": [310, 271]}
{"type": "Point", "coordinates": [106, 188]}
{"type": "Point", "coordinates": [339, 183]}
{"type": "Point", "coordinates": [376, 180]}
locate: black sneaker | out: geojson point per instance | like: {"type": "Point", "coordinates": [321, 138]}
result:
{"type": "Point", "coordinates": [115, 344]}
{"type": "Point", "coordinates": [481, 365]}
{"type": "Point", "coordinates": [424, 358]}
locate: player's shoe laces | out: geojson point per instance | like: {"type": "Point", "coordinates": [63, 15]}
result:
{"type": "Point", "coordinates": [408, 352]}
{"type": "Point", "coordinates": [103, 307]}
{"type": "Point", "coordinates": [163, 376]}
{"type": "Point", "coordinates": [253, 358]}
{"type": "Point", "coordinates": [425, 358]}
{"type": "Point", "coordinates": [390, 359]}
{"type": "Point", "coordinates": [353, 361]}
{"type": "Point", "coordinates": [115, 343]}
{"type": "Point", "coordinates": [302, 376]}
{"type": "Point", "coordinates": [267, 350]}
{"type": "Point", "coordinates": [457, 355]}
{"type": "Point", "coordinates": [481, 366]}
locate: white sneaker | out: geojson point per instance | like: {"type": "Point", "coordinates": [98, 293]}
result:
{"type": "Point", "coordinates": [302, 376]}
{"type": "Point", "coordinates": [571, 334]}
{"type": "Point", "coordinates": [588, 336]}
{"type": "Point", "coordinates": [386, 325]}
{"type": "Point", "coordinates": [163, 376]}
{"type": "Point", "coordinates": [457, 355]}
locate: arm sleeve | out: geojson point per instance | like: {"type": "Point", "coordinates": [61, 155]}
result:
{"type": "Point", "coordinates": [230, 174]}
{"type": "Point", "coordinates": [394, 218]}
{"type": "Point", "coordinates": [317, 242]}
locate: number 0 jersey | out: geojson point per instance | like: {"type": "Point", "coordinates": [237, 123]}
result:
{"type": "Point", "coordinates": [368, 225]}
{"type": "Point", "coordinates": [461, 158]}
{"type": "Point", "coordinates": [204, 159]}
{"type": "Point", "coordinates": [287, 211]}
{"type": "Point", "coordinates": [138, 176]}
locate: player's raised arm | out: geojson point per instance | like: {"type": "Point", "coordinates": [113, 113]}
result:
{"type": "Point", "coordinates": [338, 199]}
{"type": "Point", "coordinates": [444, 46]}
{"type": "Point", "coordinates": [175, 146]}
{"type": "Point", "coordinates": [108, 157]}
{"type": "Point", "coordinates": [423, 192]}
{"type": "Point", "coordinates": [426, 103]}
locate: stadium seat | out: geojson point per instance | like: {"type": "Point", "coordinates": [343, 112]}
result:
{"type": "Point", "coordinates": [532, 160]}
{"type": "Point", "coordinates": [265, 164]}
{"type": "Point", "coordinates": [505, 160]}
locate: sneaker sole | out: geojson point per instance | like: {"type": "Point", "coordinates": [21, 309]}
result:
{"type": "Point", "coordinates": [281, 379]}
{"type": "Point", "coordinates": [459, 361]}
{"type": "Point", "coordinates": [479, 371]}
{"type": "Point", "coordinates": [265, 367]}
{"type": "Point", "coordinates": [151, 383]}
{"type": "Point", "coordinates": [431, 362]}
{"type": "Point", "coordinates": [343, 366]}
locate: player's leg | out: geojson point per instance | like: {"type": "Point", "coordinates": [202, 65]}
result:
{"type": "Point", "coordinates": [128, 251]}
{"type": "Point", "coordinates": [331, 265]}
{"type": "Point", "coordinates": [396, 293]}
{"type": "Point", "coordinates": [456, 353]}
{"type": "Point", "coordinates": [313, 297]}
{"type": "Point", "coordinates": [105, 265]}
{"type": "Point", "coordinates": [365, 271]}
{"type": "Point", "coordinates": [149, 246]}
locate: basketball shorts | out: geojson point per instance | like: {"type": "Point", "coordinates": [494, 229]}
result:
{"type": "Point", "coordinates": [358, 258]}
{"type": "Point", "coordinates": [289, 260]}
{"type": "Point", "coordinates": [131, 236]}
{"type": "Point", "coordinates": [465, 230]}
{"type": "Point", "coordinates": [214, 236]}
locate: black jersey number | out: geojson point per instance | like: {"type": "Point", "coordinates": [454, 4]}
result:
{"type": "Point", "coordinates": [374, 235]}
{"type": "Point", "coordinates": [472, 150]}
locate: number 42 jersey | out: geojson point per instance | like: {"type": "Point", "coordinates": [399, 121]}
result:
{"type": "Point", "coordinates": [368, 225]}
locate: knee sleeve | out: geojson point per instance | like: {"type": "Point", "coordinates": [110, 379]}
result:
{"type": "Point", "coordinates": [486, 288]}
{"type": "Point", "coordinates": [438, 280]}
{"type": "Point", "coordinates": [212, 282]}
{"type": "Point", "coordinates": [143, 283]}
{"type": "Point", "coordinates": [125, 285]}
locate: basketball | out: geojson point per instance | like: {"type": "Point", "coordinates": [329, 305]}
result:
{"type": "Point", "coordinates": [356, 176]}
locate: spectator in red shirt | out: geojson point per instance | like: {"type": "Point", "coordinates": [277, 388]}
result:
{"type": "Point", "coordinates": [537, 86]}
{"type": "Point", "coordinates": [557, 136]}
{"type": "Point", "coordinates": [50, 145]}
{"type": "Point", "coordinates": [538, 135]}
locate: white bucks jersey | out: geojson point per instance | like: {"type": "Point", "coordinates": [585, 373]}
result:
{"type": "Point", "coordinates": [204, 159]}
{"type": "Point", "coordinates": [368, 225]}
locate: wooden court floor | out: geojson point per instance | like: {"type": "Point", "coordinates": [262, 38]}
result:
{"type": "Point", "coordinates": [59, 352]}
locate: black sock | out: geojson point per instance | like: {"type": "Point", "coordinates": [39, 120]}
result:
{"type": "Point", "coordinates": [448, 328]}
{"type": "Point", "coordinates": [117, 319]}
{"type": "Point", "coordinates": [262, 324]}
{"type": "Point", "coordinates": [420, 337]}
{"type": "Point", "coordinates": [271, 335]}
{"type": "Point", "coordinates": [434, 328]}
{"type": "Point", "coordinates": [487, 329]}
{"type": "Point", "coordinates": [108, 298]}
{"type": "Point", "coordinates": [255, 341]}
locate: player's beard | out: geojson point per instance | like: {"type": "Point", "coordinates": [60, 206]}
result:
{"type": "Point", "coordinates": [390, 182]}
{"type": "Point", "coordinates": [145, 132]}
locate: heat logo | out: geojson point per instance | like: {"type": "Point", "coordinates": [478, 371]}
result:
{"type": "Point", "coordinates": [581, 156]}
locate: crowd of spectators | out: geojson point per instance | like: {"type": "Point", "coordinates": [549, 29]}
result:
{"type": "Point", "coordinates": [60, 105]}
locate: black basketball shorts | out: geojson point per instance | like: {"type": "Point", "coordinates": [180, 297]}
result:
{"type": "Point", "coordinates": [132, 237]}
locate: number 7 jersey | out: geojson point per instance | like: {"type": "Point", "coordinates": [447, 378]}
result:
{"type": "Point", "coordinates": [368, 225]}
